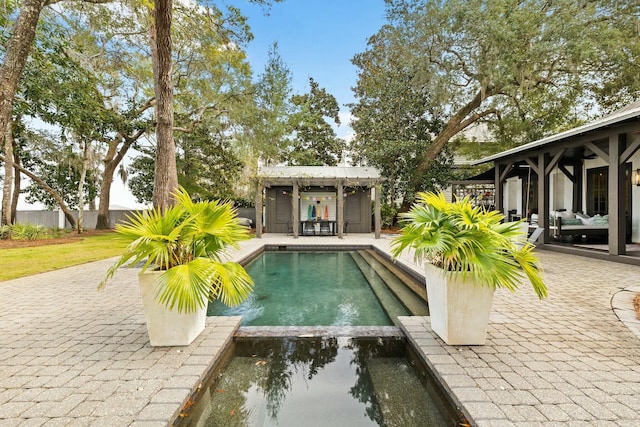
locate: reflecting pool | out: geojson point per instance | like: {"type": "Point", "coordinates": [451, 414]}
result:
{"type": "Point", "coordinates": [322, 382]}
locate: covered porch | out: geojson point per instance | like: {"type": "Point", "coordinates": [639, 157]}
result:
{"type": "Point", "coordinates": [578, 184]}
{"type": "Point", "coordinates": [317, 200]}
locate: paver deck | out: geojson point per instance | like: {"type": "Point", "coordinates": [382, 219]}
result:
{"type": "Point", "coordinates": [70, 355]}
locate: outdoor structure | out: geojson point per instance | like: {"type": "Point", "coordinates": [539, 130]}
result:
{"type": "Point", "coordinates": [581, 182]}
{"type": "Point", "coordinates": [317, 200]}
{"type": "Point", "coordinates": [480, 189]}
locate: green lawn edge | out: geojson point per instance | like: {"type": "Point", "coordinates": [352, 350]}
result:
{"type": "Point", "coordinates": [27, 261]}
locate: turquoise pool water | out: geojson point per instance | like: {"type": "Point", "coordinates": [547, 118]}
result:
{"type": "Point", "coordinates": [327, 381]}
{"type": "Point", "coordinates": [313, 289]}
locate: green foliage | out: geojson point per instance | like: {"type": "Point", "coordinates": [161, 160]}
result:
{"type": "Point", "coordinates": [392, 129]}
{"type": "Point", "coordinates": [5, 231]}
{"type": "Point", "coordinates": [19, 231]}
{"type": "Point", "coordinates": [240, 202]}
{"type": "Point", "coordinates": [140, 172]}
{"type": "Point", "coordinates": [388, 214]}
{"type": "Point", "coordinates": [525, 69]}
{"type": "Point", "coordinates": [61, 171]}
{"type": "Point", "coordinates": [187, 242]}
{"type": "Point", "coordinates": [270, 125]}
{"type": "Point", "coordinates": [315, 142]}
{"type": "Point", "coordinates": [459, 237]}
{"type": "Point", "coordinates": [207, 166]}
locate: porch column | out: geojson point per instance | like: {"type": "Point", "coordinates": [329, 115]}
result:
{"type": "Point", "coordinates": [295, 202]}
{"type": "Point", "coordinates": [259, 201]}
{"type": "Point", "coordinates": [578, 186]}
{"type": "Point", "coordinates": [616, 197]}
{"type": "Point", "coordinates": [340, 209]}
{"type": "Point", "coordinates": [376, 212]}
{"type": "Point", "coordinates": [543, 197]}
{"type": "Point", "coordinates": [498, 189]}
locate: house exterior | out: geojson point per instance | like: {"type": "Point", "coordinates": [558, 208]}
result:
{"type": "Point", "coordinates": [591, 171]}
{"type": "Point", "coordinates": [317, 200]}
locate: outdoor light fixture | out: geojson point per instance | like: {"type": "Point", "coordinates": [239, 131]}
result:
{"type": "Point", "coordinates": [637, 177]}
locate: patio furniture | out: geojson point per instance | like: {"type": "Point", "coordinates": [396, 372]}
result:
{"type": "Point", "coordinates": [308, 228]}
{"type": "Point", "coordinates": [325, 228]}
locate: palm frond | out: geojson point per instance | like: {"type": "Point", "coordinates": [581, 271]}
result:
{"type": "Point", "coordinates": [459, 237]}
{"type": "Point", "coordinates": [187, 241]}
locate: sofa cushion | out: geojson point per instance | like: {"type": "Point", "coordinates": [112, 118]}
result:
{"type": "Point", "coordinates": [601, 220]}
{"type": "Point", "coordinates": [571, 221]}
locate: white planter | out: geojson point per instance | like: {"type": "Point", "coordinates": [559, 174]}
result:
{"type": "Point", "coordinates": [168, 328]}
{"type": "Point", "coordinates": [459, 309]}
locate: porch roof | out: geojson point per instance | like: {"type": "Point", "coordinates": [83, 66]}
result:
{"type": "Point", "coordinates": [627, 113]}
{"type": "Point", "coordinates": [318, 175]}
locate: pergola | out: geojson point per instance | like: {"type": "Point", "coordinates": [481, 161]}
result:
{"type": "Point", "coordinates": [298, 177]}
{"type": "Point", "coordinates": [611, 141]}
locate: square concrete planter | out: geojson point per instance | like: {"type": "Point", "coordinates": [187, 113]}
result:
{"type": "Point", "coordinates": [459, 309]}
{"type": "Point", "coordinates": [168, 327]}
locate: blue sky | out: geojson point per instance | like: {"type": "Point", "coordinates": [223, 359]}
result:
{"type": "Point", "coordinates": [316, 38]}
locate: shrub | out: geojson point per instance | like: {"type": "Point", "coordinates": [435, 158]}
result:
{"type": "Point", "coordinates": [5, 232]}
{"type": "Point", "coordinates": [388, 214]}
{"type": "Point", "coordinates": [27, 231]}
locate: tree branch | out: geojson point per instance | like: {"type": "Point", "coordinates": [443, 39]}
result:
{"type": "Point", "coordinates": [59, 200]}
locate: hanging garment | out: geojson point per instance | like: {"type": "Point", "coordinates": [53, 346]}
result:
{"type": "Point", "coordinates": [313, 212]}
{"type": "Point", "coordinates": [326, 212]}
{"type": "Point", "coordinates": [309, 212]}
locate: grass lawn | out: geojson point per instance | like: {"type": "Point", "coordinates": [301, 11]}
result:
{"type": "Point", "coordinates": [24, 261]}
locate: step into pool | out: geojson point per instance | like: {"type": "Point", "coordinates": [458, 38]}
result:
{"type": "Point", "coordinates": [341, 288]}
{"type": "Point", "coordinates": [321, 381]}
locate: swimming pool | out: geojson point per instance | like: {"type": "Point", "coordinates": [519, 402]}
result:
{"type": "Point", "coordinates": [322, 381]}
{"type": "Point", "coordinates": [341, 288]}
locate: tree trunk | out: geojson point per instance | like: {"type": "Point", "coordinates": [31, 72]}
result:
{"type": "Point", "coordinates": [166, 174]}
{"type": "Point", "coordinates": [51, 191]}
{"type": "Point", "coordinates": [16, 55]}
{"type": "Point", "coordinates": [111, 161]}
{"type": "Point", "coordinates": [105, 195]}
{"type": "Point", "coordinates": [83, 175]}
{"type": "Point", "coordinates": [456, 123]}
{"type": "Point", "coordinates": [8, 174]}
{"type": "Point", "coordinates": [16, 188]}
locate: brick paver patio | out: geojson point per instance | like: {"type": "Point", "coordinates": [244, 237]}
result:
{"type": "Point", "coordinates": [70, 355]}
{"type": "Point", "coordinates": [567, 360]}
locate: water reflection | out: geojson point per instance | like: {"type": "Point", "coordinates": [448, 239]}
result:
{"type": "Point", "coordinates": [316, 382]}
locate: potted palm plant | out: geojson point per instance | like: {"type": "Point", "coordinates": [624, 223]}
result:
{"type": "Point", "coordinates": [181, 250]}
{"type": "Point", "coordinates": [468, 253]}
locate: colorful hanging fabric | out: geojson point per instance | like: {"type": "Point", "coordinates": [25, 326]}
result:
{"type": "Point", "coordinates": [326, 212]}
{"type": "Point", "coordinates": [313, 212]}
{"type": "Point", "coordinates": [309, 211]}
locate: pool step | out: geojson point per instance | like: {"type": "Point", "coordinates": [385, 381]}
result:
{"type": "Point", "coordinates": [417, 286]}
{"type": "Point", "coordinates": [414, 303]}
{"type": "Point", "coordinates": [387, 298]}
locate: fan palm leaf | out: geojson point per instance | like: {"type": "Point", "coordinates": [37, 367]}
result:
{"type": "Point", "coordinates": [460, 237]}
{"type": "Point", "coordinates": [187, 242]}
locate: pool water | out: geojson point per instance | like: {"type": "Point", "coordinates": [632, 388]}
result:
{"type": "Point", "coordinates": [321, 382]}
{"type": "Point", "coordinates": [313, 289]}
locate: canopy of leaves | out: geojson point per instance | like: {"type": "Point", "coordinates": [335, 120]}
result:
{"type": "Point", "coordinates": [525, 68]}
{"type": "Point", "coordinates": [315, 142]}
{"type": "Point", "coordinates": [269, 123]}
